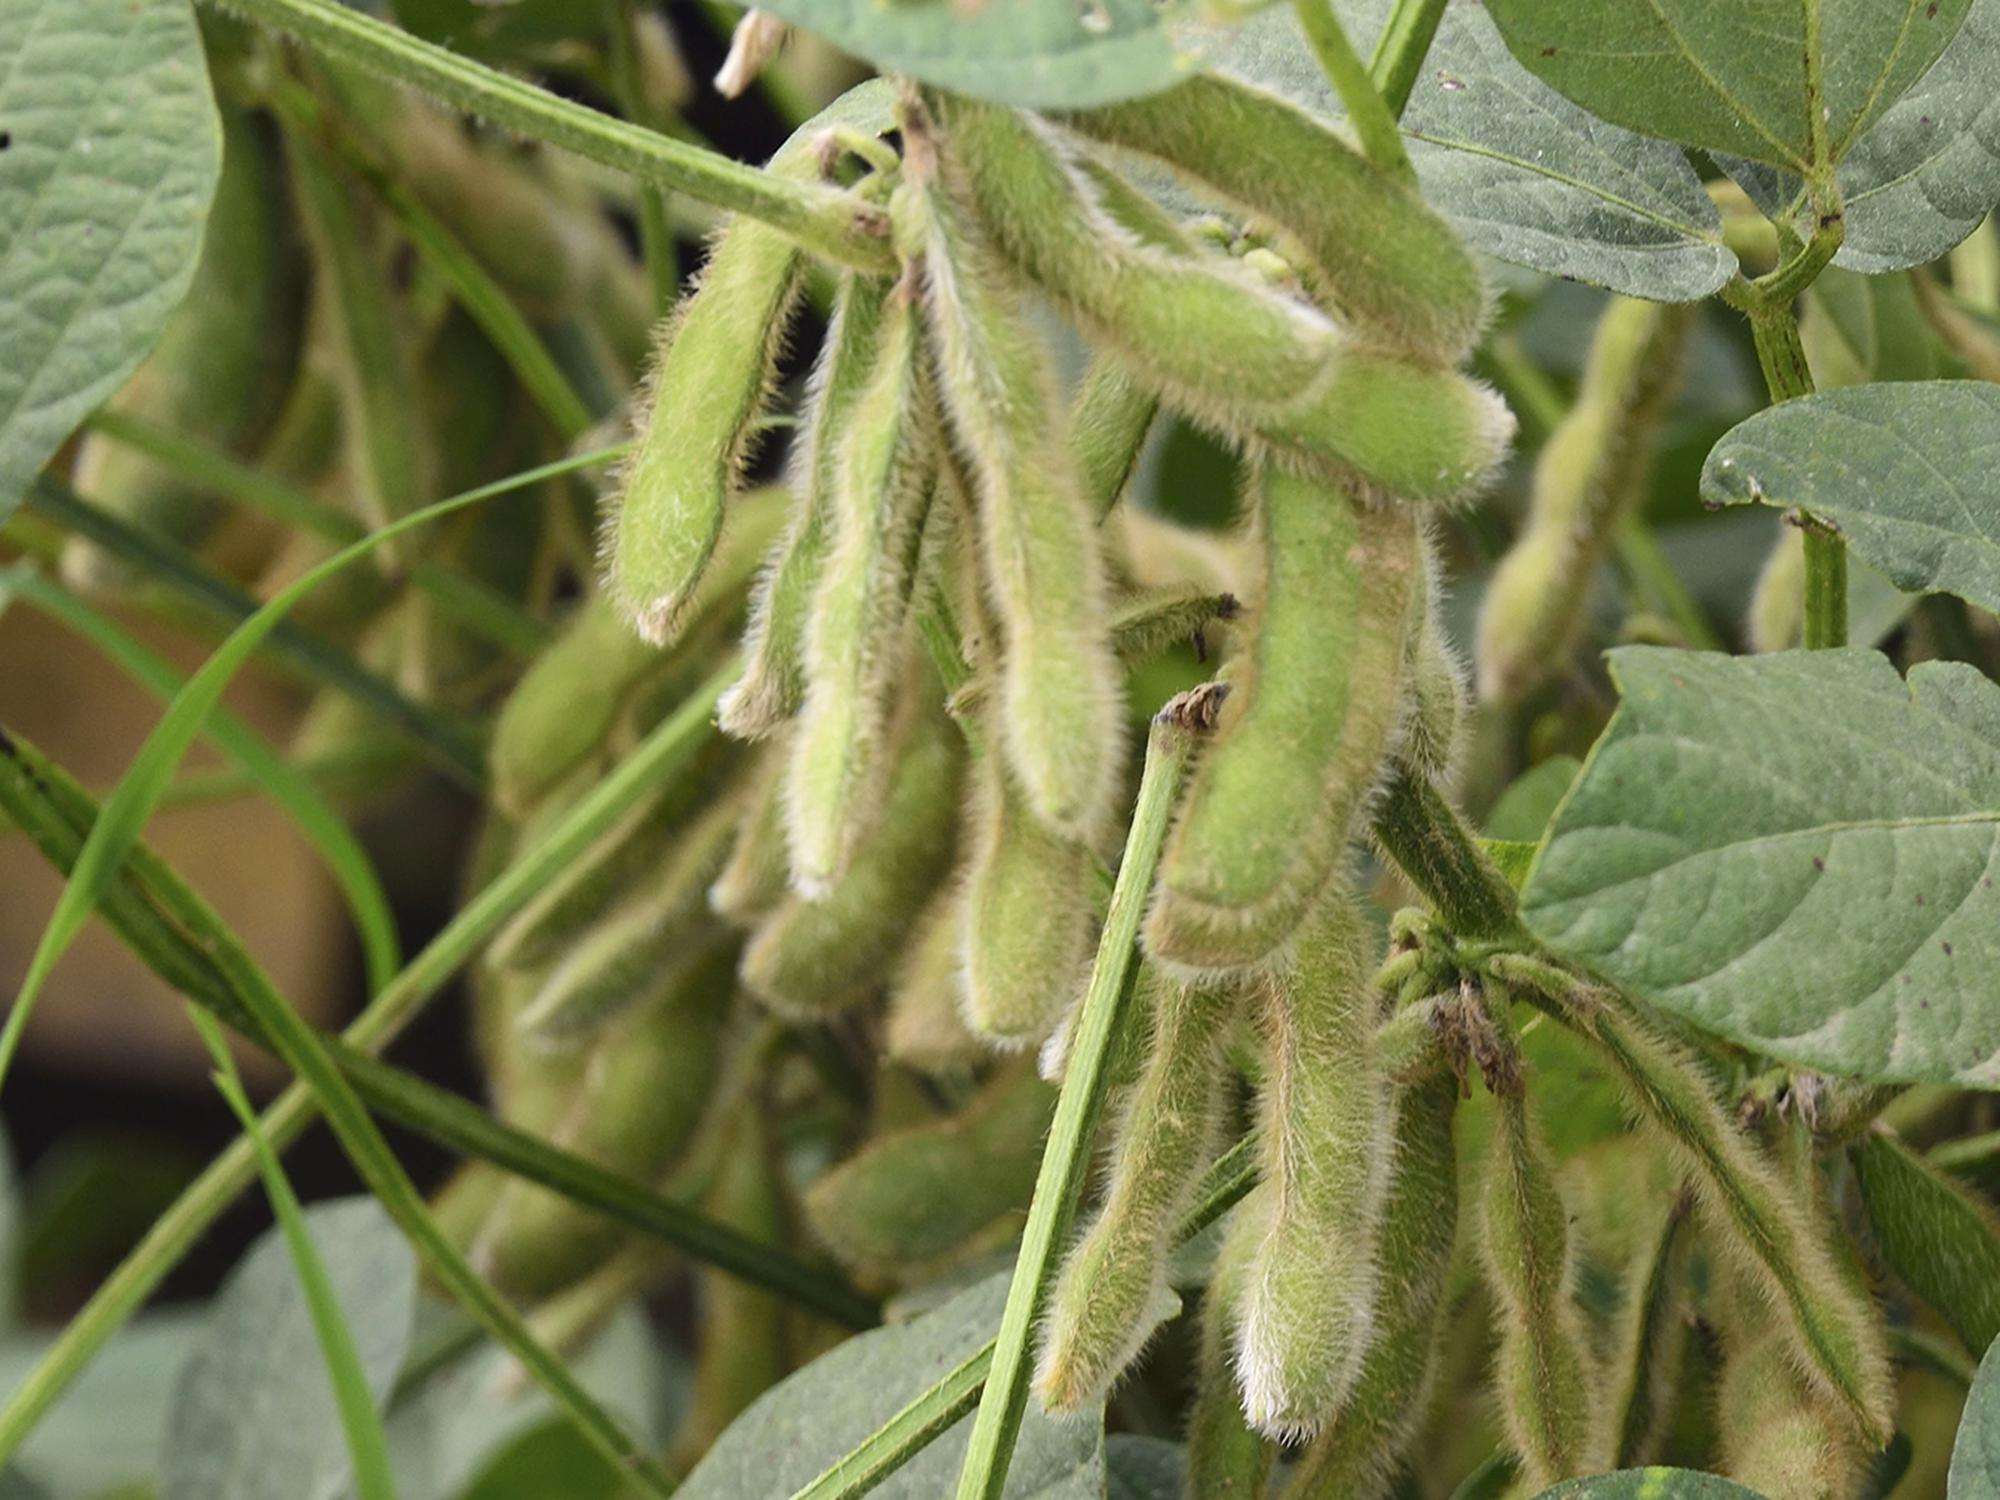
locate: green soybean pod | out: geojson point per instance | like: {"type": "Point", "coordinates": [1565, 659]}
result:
{"type": "Point", "coordinates": [1780, 1436]}
{"type": "Point", "coordinates": [1438, 711]}
{"type": "Point", "coordinates": [1312, 1287]}
{"type": "Point", "coordinates": [1112, 1291]}
{"type": "Point", "coordinates": [915, 1194]}
{"type": "Point", "coordinates": [1315, 703]}
{"type": "Point", "coordinates": [1389, 265]}
{"type": "Point", "coordinates": [1062, 717]}
{"type": "Point", "coordinates": [1543, 1368]}
{"type": "Point", "coordinates": [773, 684]}
{"type": "Point", "coordinates": [1109, 422]}
{"type": "Point", "coordinates": [221, 369]}
{"type": "Point", "coordinates": [925, 1028]}
{"type": "Point", "coordinates": [1650, 1337]}
{"type": "Point", "coordinates": [1226, 1457]}
{"type": "Point", "coordinates": [755, 876]}
{"type": "Point", "coordinates": [1355, 1457]}
{"type": "Point", "coordinates": [808, 959]}
{"type": "Point", "coordinates": [1590, 475]}
{"type": "Point", "coordinates": [857, 634]}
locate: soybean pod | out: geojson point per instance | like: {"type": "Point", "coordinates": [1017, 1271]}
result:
{"type": "Point", "coordinates": [1226, 1458]}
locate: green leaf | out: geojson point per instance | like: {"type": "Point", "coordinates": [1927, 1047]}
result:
{"type": "Point", "coordinates": [1144, 1468]}
{"type": "Point", "coordinates": [1528, 176]}
{"type": "Point", "coordinates": [1524, 809]}
{"type": "Point", "coordinates": [1975, 1458]}
{"type": "Point", "coordinates": [1794, 85]}
{"type": "Point", "coordinates": [106, 1431]}
{"type": "Point", "coordinates": [1935, 1235]}
{"type": "Point", "coordinates": [1902, 469]}
{"type": "Point", "coordinates": [1796, 852]}
{"type": "Point", "coordinates": [1043, 54]}
{"type": "Point", "coordinates": [1657, 1483]}
{"type": "Point", "coordinates": [797, 1429]}
{"type": "Point", "coordinates": [254, 1416]}
{"type": "Point", "coordinates": [112, 153]}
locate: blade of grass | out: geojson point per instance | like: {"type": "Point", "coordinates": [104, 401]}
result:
{"type": "Point", "coordinates": [447, 742]}
{"type": "Point", "coordinates": [348, 862]}
{"type": "Point", "coordinates": [826, 220]}
{"type": "Point", "coordinates": [174, 1232]}
{"type": "Point", "coordinates": [656, 236]}
{"type": "Point", "coordinates": [367, 1444]}
{"type": "Point", "coordinates": [1372, 118]}
{"type": "Point", "coordinates": [1400, 50]}
{"type": "Point", "coordinates": [1066, 1159]}
{"type": "Point", "coordinates": [469, 600]}
{"type": "Point", "coordinates": [176, 934]}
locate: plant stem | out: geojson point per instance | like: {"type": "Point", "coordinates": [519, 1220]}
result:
{"type": "Point", "coordinates": [1066, 1159]}
{"type": "Point", "coordinates": [1373, 120]}
{"type": "Point", "coordinates": [825, 220]}
{"type": "Point", "coordinates": [176, 1231]}
{"type": "Point", "coordinates": [1429, 842]}
{"type": "Point", "coordinates": [1401, 49]}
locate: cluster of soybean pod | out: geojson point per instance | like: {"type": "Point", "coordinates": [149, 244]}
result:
{"type": "Point", "coordinates": [943, 618]}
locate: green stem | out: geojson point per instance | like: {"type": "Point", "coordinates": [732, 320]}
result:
{"type": "Point", "coordinates": [176, 1231]}
{"type": "Point", "coordinates": [1826, 589]}
{"type": "Point", "coordinates": [825, 220]}
{"type": "Point", "coordinates": [1066, 1160]}
{"type": "Point", "coordinates": [1402, 47]}
{"type": "Point", "coordinates": [1373, 120]}
{"type": "Point", "coordinates": [1422, 833]}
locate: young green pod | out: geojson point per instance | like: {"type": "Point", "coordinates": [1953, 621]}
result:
{"type": "Point", "coordinates": [1941, 1240]}
{"type": "Point", "coordinates": [1315, 704]}
{"type": "Point", "coordinates": [1588, 478]}
{"type": "Point", "coordinates": [773, 684]}
{"type": "Point", "coordinates": [1062, 720]}
{"type": "Point", "coordinates": [1776, 617]}
{"type": "Point", "coordinates": [756, 875]}
{"type": "Point", "coordinates": [1650, 1337]}
{"type": "Point", "coordinates": [1355, 1457]}
{"type": "Point", "coordinates": [1438, 710]}
{"type": "Point", "coordinates": [1226, 1458]}
{"type": "Point", "coordinates": [811, 958]}
{"type": "Point", "coordinates": [925, 1026]}
{"type": "Point", "coordinates": [1312, 1287]}
{"type": "Point", "coordinates": [857, 635]}
{"type": "Point", "coordinates": [915, 1194]}
{"type": "Point", "coordinates": [1108, 427]}
{"type": "Point", "coordinates": [1544, 1373]}
{"type": "Point", "coordinates": [1391, 268]}
{"type": "Point", "coordinates": [1780, 1436]}
{"type": "Point", "coordinates": [1112, 1292]}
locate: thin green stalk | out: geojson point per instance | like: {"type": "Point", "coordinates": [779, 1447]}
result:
{"type": "Point", "coordinates": [175, 1231]}
{"type": "Point", "coordinates": [472, 602]}
{"type": "Point", "coordinates": [1373, 119]}
{"type": "Point", "coordinates": [446, 741]}
{"type": "Point", "coordinates": [1401, 49]}
{"type": "Point", "coordinates": [1969, 1156]}
{"type": "Point", "coordinates": [367, 1444]}
{"type": "Point", "coordinates": [1066, 1159]}
{"type": "Point", "coordinates": [825, 220]}
{"type": "Point", "coordinates": [656, 236]}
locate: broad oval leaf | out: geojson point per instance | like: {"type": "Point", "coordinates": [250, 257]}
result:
{"type": "Point", "coordinates": [1144, 1468]}
{"type": "Point", "coordinates": [1975, 1457]}
{"type": "Point", "coordinates": [254, 1415]}
{"type": "Point", "coordinates": [1943, 1242]}
{"type": "Point", "coordinates": [1042, 54]}
{"type": "Point", "coordinates": [1795, 851]}
{"type": "Point", "coordinates": [111, 154]}
{"type": "Point", "coordinates": [1656, 1483]}
{"type": "Point", "coordinates": [1528, 176]}
{"type": "Point", "coordinates": [1791, 84]}
{"type": "Point", "coordinates": [794, 1431]}
{"type": "Point", "coordinates": [1903, 469]}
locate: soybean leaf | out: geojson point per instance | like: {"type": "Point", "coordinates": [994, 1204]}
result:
{"type": "Point", "coordinates": [1043, 54]}
{"type": "Point", "coordinates": [1144, 1468]}
{"type": "Point", "coordinates": [797, 1429]}
{"type": "Point", "coordinates": [1975, 1458]}
{"type": "Point", "coordinates": [1656, 1483]}
{"type": "Point", "coordinates": [1935, 1235]}
{"type": "Point", "coordinates": [1528, 176]}
{"type": "Point", "coordinates": [254, 1416]}
{"type": "Point", "coordinates": [1524, 809]}
{"type": "Point", "coordinates": [109, 154]}
{"type": "Point", "coordinates": [1793, 85]}
{"type": "Point", "coordinates": [1902, 469]}
{"type": "Point", "coordinates": [1796, 852]}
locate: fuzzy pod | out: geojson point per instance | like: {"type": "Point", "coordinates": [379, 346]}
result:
{"type": "Point", "coordinates": [925, 1025]}
{"type": "Point", "coordinates": [1112, 1291]}
{"type": "Point", "coordinates": [773, 684]}
{"type": "Point", "coordinates": [1779, 1435]}
{"type": "Point", "coordinates": [913, 1195]}
{"type": "Point", "coordinates": [1544, 1372]}
{"type": "Point", "coordinates": [1312, 716]}
{"type": "Point", "coordinates": [1109, 422]}
{"type": "Point", "coordinates": [808, 959]}
{"type": "Point", "coordinates": [1028, 917]}
{"type": "Point", "coordinates": [1312, 1288]}
{"type": "Point", "coordinates": [1226, 1458]}
{"type": "Point", "coordinates": [857, 631]}
{"type": "Point", "coordinates": [1775, 619]}
{"type": "Point", "coordinates": [1650, 1337]}
{"type": "Point", "coordinates": [1438, 703]}
{"type": "Point", "coordinates": [220, 371]}
{"type": "Point", "coordinates": [1061, 691]}
{"type": "Point", "coordinates": [1390, 267]}
{"type": "Point", "coordinates": [660, 930]}
{"type": "Point", "coordinates": [1591, 474]}
{"type": "Point", "coordinates": [1355, 1457]}
{"type": "Point", "coordinates": [754, 878]}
